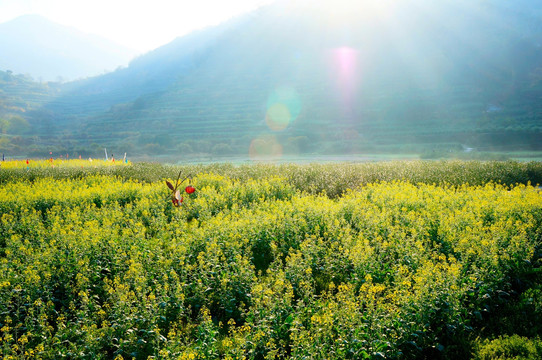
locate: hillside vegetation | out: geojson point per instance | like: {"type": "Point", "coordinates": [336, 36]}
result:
{"type": "Point", "coordinates": [416, 76]}
{"type": "Point", "coordinates": [96, 262]}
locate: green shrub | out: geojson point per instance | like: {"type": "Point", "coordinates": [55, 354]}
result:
{"type": "Point", "coordinates": [509, 348]}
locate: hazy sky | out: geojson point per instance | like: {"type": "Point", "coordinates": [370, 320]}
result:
{"type": "Point", "coordinates": [140, 25]}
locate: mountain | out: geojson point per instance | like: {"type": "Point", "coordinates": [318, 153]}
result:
{"type": "Point", "coordinates": [33, 45]}
{"type": "Point", "coordinates": [393, 76]}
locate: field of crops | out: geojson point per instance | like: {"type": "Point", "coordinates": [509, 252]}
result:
{"type": "Point", "coordinates": [395, 260]}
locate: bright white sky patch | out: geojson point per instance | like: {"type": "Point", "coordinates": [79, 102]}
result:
{"type": "Point", "coordinates": [140, 25]}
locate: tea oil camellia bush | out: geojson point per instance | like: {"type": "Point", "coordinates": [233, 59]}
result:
{"type": "Point", "coordinates": [364, 261]}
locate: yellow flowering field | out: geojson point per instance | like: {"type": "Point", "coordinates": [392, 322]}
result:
{"type": "Point", "coordinates": [99, 263]}
{"type": "Point", "coordinates": [61, 163]}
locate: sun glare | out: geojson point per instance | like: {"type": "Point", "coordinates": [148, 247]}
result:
{"type": "Point", "coordinates": [346, 10]}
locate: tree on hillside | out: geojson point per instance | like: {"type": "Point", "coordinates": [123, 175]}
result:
{"type": "Point", "coordinates": [18, 125]}
{"type": "Point", "coordinates": [14, 125]}
{"type": "Point", "coordinates": [4, 126]}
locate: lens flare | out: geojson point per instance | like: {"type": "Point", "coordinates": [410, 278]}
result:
{"type": "Point", "coordinates": [265, 147]}
{"type": "Point", "coordinates": [283, 108]}
{"type": "Point", "coordinates": [345, 63]}
{"type": "Point", "coordinates": [345, 71]}
{"type": "Point", "coordinates": [278, 117]}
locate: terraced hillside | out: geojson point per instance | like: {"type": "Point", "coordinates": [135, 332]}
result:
{"type": "Point", "coordinates": [410, 76]}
